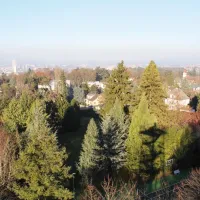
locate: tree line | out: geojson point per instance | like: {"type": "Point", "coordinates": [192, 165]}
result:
{"type": "Point", "coordinates": [131, 140]}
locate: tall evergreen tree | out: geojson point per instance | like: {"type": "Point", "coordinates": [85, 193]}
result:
{"type": "Point", "coordinates": [63, 87]}
{"type": "Point", "coordinates": [40, 171]}
{"type": "Point", "coordinates": [79, 94]}
{"type": "Point", "coordinates": [72, 117]}
{"type": "Point", "coordinates": [16, 114]}
{"type": "Point", "coordinates": [118, 86]}
{"type": "Point", "coordinates": [114, 133]}
{"type": "Point", "coordinates": [142, 121]}
{"type": "Point", "coordinates": [62, 106]}
{"type": "Point", "coordinates": [89, 157]}
{"type": "Point", "coordinates": [152, 86]}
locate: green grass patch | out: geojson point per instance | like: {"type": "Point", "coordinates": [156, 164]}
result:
{"type": "Point", "coordinates": [158, 184]}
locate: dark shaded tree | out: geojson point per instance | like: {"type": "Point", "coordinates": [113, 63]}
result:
{"type": "Point", "coordinates": [71, 120]}
{"type": "Point", "coordinates": [140, 137]}
{"type": "Point", "coordinates": [101, 74]}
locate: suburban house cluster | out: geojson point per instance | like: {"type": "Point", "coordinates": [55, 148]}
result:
{"type": "Point", "coordinates": [92, 100]}
{"type": "Point", "coordinates": [176, 99]}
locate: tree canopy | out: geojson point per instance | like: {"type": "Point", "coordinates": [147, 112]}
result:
{"type": "Point", "coordinates": [40, 171]}
{"type": "Point", "coordinates": [118, 86]}
{"type": "Point", "coordinates": [152, 87]}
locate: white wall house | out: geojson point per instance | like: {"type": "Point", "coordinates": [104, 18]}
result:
{"type": "Point", "coordinates": [94, 100]}
{"type": "Point", "coordinates": [177, 99]}
{"type": "Point", "coordinates": [52, 85]}
{"type": "Point", "coordinates": [97, 83]}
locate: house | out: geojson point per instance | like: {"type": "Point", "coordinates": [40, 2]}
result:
{"type": "Point", "coordinates": [53, 85]}
{"type": "Point", "coordinates": [99, 84]}
{"type": "Point", "coordinates": [94, 100]}
{"type": "Point", "coordinates": [177, 99]}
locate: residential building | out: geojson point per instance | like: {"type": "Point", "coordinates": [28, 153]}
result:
{"type": "Point", "coordinates": [177, 99]}
{"type": "Point", "coordinates": [94, 100]}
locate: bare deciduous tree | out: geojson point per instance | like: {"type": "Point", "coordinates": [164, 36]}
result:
{"type": "Point", "coordinates": [7, 155]}
{"type": "Point", "coordinates": [111, 191]}
{"type": "Point", "coordinates": [189, 188]}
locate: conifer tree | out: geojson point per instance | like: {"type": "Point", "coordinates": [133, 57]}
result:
{"type": "Point", "coordinates": [40, 171]}
{"type": "Point", "coordinates": [89, 158]}
{"type": "Point", "coordinates": [63, 87]}
{"type": "Point", "coordinates": [114, 133]}
{"type": "Point", "coordinates": [142, 120]}
{"type": "Point", "coordinates": [152, 86]}
{"type": "Point", "coordinates": [62, 106]}
{"type": "Point", "coordinates": [61, 99]}
{"type": "Point", "coordinates": [16, 114]}
{"type": "Point", "coordinates": [79, 94]}
{"type": "Point", "coordinates": [118, 86]}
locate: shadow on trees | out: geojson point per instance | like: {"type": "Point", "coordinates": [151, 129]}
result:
{"type": "Point", "coordinates": [72, 134]}
{"type": "Point", "coordinates": [185, 155]}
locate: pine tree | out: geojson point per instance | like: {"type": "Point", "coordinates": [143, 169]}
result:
{"type": "Point", "coordinates": [63, 90]}
{"type": "Point", "coordinates": [114, 133]}
{"type": "Point", "coordinates": [118, 86]}
{"type": "Point", "coordinates": [62, 106]}
{"type": "Point", "coordinates": [152, 86]}
{"type": "Point", "coordinates": [89, 157]}
{"type": "Point", "coordinates": [40, 171]}
{"type": "Point", "coordinates": [61, 99]}
{"type": "Point", "coordinates": [79, 94]}
{"type": "Point", "coordinates": [142, 121]}
{"type": "Point", "coordinates": [118, 114]}
{"type": "Point", "coordinates": [16, 114]}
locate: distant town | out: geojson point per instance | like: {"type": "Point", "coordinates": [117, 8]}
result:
{"type": "Point", "coordinates": [16, 67]}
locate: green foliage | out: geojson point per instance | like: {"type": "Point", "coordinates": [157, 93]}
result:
{"type": "Point", "coordinates": [71, 121]}
{"type": "Point", "coordinates": [79, 94]}
{"type": "Point", "coordinates": [15, 116]}
{"type": "Point", "coordinates": [62, 106]}
{"type": "Point", "coordinates": [31, 80]}
{"type": "Point", "coordinates": [94, 89]}
{"type": "Point", "coordinates": [152, 87]}
{"type": "Point", "coordinates": [89, 158]}
{"type": "Point", "coordinates": [54, 119]}
{"type": "Point", "coordinates": [118, 114]}
{"type": "Point", "coordinates": [114, 133]}
{"type": "Point", "coordinates": [85, 88]}
{"type": "Point", "coordinates": [118, 86]}
{"type": "Point", "coordinates": [7, 93]}
{"type": "Point", "coordinates": [40, 170]}
{"type": "Point", "coordinates": [101, 74]}
{"type": "Point", "coordinates": [174, 143]}
{"type": "Point", "coordinates": [62, 88]}
{"type": "Point", "coordinates": [142, 121]}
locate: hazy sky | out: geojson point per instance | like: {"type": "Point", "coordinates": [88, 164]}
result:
{"type": "Point", "coordinates": [100, 31]}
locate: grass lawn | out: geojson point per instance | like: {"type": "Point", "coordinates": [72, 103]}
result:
{"type": "Point", "coordinates": [169, 180]}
